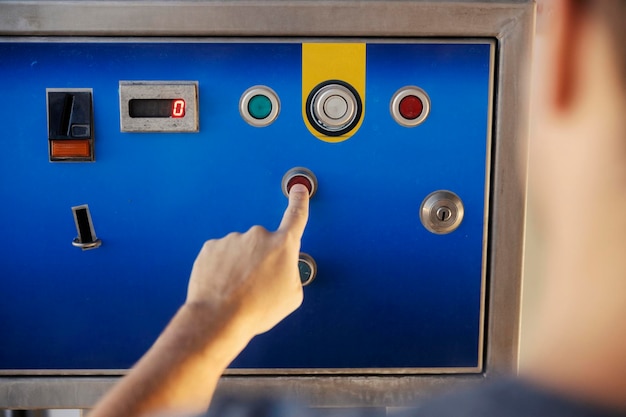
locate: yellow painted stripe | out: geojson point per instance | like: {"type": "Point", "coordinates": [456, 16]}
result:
{"type": "Point", "coordinates": [333, 61]}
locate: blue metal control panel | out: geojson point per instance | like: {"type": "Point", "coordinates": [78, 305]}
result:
{"type": "Point", "coordinates": [389, 294]}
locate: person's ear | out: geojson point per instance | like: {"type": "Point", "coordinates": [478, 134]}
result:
{"type": "Point", "coordinates": [564, 30]}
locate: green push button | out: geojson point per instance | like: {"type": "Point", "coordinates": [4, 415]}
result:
{"type": "Point", "coordinates": [259, 107]}
{"type": "Point", "coordinates": [305, 271]}
{"type": "Point", "coordinates": [307, 268]}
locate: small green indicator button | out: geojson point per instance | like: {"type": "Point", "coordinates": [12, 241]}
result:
{"type": "Point", "coordinates": [307, 268]}
{"type": "Point", "coordinates": [259, 107]}
{"type": "Point", "coordinates": [305, 271]}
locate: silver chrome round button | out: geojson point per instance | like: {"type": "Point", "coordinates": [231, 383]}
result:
{"type": "Point", "coordinates": [334, 107]}
{"type": "Point", "coordinates": [259, 106]}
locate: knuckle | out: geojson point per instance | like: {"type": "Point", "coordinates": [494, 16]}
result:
{"type": "Point", "coordinates": [297, 211]}
{"type": "Point", "coordinates": [258, 230]}
{"type": "Point", "coordinates": [208, 244]}
{"type": "Point", "coordinates": [257, 233]}
{"type": "Point", "coordinates": [299, 198]}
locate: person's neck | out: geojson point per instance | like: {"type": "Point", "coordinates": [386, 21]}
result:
{"type": "Point", "coordinates": [580, 340]}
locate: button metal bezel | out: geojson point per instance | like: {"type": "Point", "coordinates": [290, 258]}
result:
{"type": "Point", "coordinates": [394, 106]}
{"type": "Point", "coordinates": [249, 94]}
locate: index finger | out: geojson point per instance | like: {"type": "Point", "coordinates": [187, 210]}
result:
{"type": "Point", "coordinates": [297, 212]}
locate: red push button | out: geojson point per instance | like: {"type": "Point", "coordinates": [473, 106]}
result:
{"type": "Point", "coordinates": [411, 107]}
{"type": "Point", "coordinates": [299, 179]}
{"type": "Point", "coordinates": [299, 175]}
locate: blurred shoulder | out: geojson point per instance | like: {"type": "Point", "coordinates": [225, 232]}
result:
{"type": "Point", "coordinates": [510, 398]}
{"type": "Point", "coordinates": [504, 398]}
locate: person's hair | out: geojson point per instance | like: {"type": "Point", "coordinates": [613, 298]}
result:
{"type": "Point", "coordinates": [613, 13]}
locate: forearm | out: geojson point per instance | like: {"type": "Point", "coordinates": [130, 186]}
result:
{"type": "Point", "coordinates": [179, 373]}
{"type": "Point", "coordinates": [240, 286]}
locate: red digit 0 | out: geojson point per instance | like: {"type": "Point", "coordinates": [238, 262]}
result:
{"type": "Point", "coordinates": [178, 108]}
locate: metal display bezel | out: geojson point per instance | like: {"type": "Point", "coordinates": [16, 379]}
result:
{"type": "Point", "coordinates": [186, 90]}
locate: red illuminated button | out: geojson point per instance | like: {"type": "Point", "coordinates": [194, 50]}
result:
{"type": "Point", "coordinates": [299, 175]}
{"type": "Point", "coordinates": [299, 179]}
{"type": "Point", "coordinates": [411, 107]}
{"type": "Point", "coordinates": [70, 148]}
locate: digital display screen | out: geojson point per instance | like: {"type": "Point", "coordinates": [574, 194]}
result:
{"type": "Point", "coordinates": [163, 108]}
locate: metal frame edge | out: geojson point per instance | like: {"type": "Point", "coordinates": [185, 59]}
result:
{"type": "Point", "coordinates": [510, 22]}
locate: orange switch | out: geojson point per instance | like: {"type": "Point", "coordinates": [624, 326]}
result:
{"type": "Point", "coordinates": [70, 148]}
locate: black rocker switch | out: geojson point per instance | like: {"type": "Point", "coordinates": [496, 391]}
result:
{"type": "Point", "coordinates": [70, 125]}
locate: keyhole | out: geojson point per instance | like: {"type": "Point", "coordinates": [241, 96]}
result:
{"type": "Point", "coordinates": [444, 214]}
{"type": "Point", "coordinates": [441, 212]}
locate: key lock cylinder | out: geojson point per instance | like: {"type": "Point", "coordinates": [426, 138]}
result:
{"type": "Point", "coordinates": [441, 212]}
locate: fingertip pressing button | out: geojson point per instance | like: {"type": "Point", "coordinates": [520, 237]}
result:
{"type": "Point", "coordinates": [299, 175]}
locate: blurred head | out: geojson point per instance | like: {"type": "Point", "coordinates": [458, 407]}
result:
{"type": "Point", "coordinates": [577, 185]}
{"type": "Point", "coordinates": [613, 15]}
{"type": "Point", "coordinates": [578, 115]}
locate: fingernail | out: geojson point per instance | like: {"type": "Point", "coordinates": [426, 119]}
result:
{"type": "Point", "coordinates": [299, 188]}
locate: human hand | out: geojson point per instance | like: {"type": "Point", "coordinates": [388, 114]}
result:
{"type": "Point", "coordinates": [240, 286]}
{"type": "Point", "coordinates": [252, 278]}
